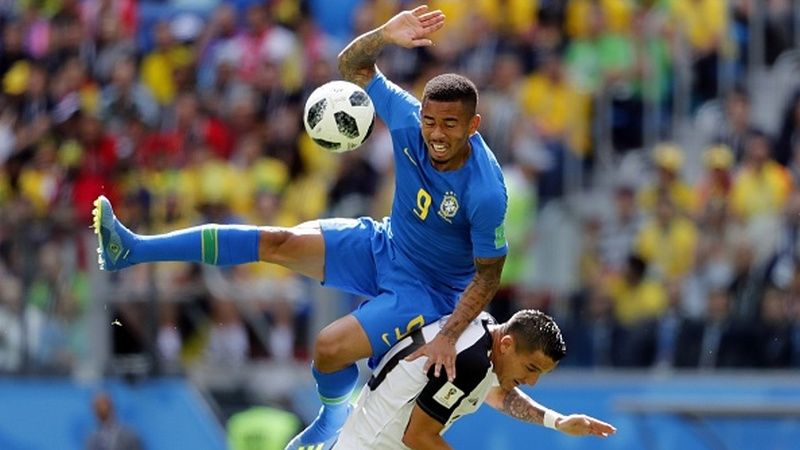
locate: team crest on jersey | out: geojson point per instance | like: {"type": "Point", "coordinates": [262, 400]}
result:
{"type": "Point", "coordinates": [449, 206]}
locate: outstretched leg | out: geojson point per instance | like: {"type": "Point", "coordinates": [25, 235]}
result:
{"type": "Point", "coordinates": [299, 248]}
{"type": "Point", "coordinates": [338, 347]}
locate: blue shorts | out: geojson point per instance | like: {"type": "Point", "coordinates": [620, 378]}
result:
{"type": "Point", "coordinates": [360, 258]}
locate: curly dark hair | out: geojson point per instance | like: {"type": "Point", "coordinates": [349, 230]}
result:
{"type": "Point", "coordinates": [452, 87]}
{"type": "Point", "coordinates": [534, 330]}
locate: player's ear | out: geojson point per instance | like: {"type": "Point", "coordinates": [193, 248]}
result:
{"type": "Point", "coordinates": [506, 344]}
{"type": "Point", "coordinates": [473, 123]}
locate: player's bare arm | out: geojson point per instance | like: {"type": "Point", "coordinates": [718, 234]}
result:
{"type": "Point", "coordinates": [422, 432]}
{"type": "Point", "coordinates": [441, 350]}
{"type": "Point", "coordinates": [519, 405]}
{"type": "Point", "coordinates": [476, 296]}
{"type": "Point", "coordinates": [357, 60]}
{"type": "Point", "coordinates": [407, 29]}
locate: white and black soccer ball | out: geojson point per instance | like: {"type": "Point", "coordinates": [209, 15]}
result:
{"type": "Point", "coordinates": [339, 116]}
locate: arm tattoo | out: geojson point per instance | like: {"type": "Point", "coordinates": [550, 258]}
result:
{"type": "Point", "coordinates": [518, 405]}
{"type": "Point", "coordinates": [357, 60]}
{"type": "Point", "coordinates": [476, 296]}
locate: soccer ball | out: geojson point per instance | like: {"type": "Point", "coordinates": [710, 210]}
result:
{"type": "Point", "coordinates": [339, 116]}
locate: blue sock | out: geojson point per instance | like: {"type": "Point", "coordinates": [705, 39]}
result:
{"type": "Point", "coordinates": [219, 245]}
{"type": "Point", "coordinates": [334, 390]}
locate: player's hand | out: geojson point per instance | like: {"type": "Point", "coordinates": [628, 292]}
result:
{"type": "Point", "coordinates": [410, 28]}
{"type": "Point", "coordinates": [441, 352]}
{"type": "Point", "coordinates": [582, 425]}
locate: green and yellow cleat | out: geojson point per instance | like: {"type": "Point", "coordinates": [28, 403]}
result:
{"type": "Point", "coordinates": [114, 241]}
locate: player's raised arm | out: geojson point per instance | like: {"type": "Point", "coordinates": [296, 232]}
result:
{"type": "Point", "coordinates": [406, 29]}
{"type": "Point", "coordinates": [519, 405]}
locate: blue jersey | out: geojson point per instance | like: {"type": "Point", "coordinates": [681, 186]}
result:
{"type": "Point", "coordinates": [440, 221]}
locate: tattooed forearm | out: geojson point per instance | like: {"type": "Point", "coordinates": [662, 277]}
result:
{"type": "Point", "coordinates": [476, 296]}
{"type": "Point", "coordinates": [357, 60]}
{"type": "Point", "coordinates": [520, 406]}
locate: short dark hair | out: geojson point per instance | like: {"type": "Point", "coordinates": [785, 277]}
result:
{"type": "Point", "coordinates": [534, 330]}
{"type": "Point", "coordinates": [452, 87]}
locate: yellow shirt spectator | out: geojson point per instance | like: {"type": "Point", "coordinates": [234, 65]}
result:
{"type": "Point", "coordinates": [634, 303]}
{"type": "Point", "coordinates": [681, 194]}
{"type": "Point", "coordinates": [577, 18]}
{"type": "Point", "coordinates": [174, 196]}
{"type": "Point", "coordinates": [760, 191]}
{"type": "Point", "coordinates": [669, 248]}
{"type": "Point", "coordinates": [157, 69]}
{"type": "Point", "coordinates": [557, 108]}
{"type": "Point", "coordinates": [704, 22]}
{"type": "Point", "coordinates": [668, 161]}
{"type": "Point", "coordinates": [617, 14]}
{"type": "Point", "coordinates": [40, 180]}
{"type": "Point", "coordinates": [39, 187]}
{"type": "Point", "coordinates": [5, 188]}
{"type": "Point", "coordinates": [517, 16]}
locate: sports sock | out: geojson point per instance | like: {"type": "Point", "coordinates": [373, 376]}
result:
{"type": "Point", "coordinates": [220, 245]}
{"type": "Point", "coordinates": [334, 390]}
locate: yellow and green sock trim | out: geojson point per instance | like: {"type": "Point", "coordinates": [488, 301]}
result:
{"type": "Point", "coordinates": [210, 245]}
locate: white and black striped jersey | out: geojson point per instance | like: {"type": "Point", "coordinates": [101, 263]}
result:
{"type": "Point", "coordinates": [385, 404]}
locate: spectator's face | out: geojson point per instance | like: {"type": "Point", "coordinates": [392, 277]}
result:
{"type": "Point", "coordinates": [124, 73]}
{"type": "Point", "coordinates": [256, 18]}
{"type": "Point", "coordinates": [12, 37]}
{"type": "Point", "coordinates": [243, 111]}
{"type": "Point", "coordinates": [186, 109]}
{"type": "Point", "coordinates": [72, 35]}
{"type": "Point", "coordinates": [552, 68]}
{"type": "Point", "coordinates": [226, 20]}
{"type": "Point", "coordinates": [757, 150]}
{"type": "Point", "coordinates": [446, 127]}
{"type": "Point", "coordinates": [102, 408]}
{"type": "Point", "coordinates": [91, 128]}
{"type": "Point", "coordinates": [37, 82]}
{"type": "Point", "coordinates": [737, 110]}
{"type": "Point", "coordinates": [665, 211]}
{"type": "Point", "coordinates": [514, 368]}
{"type": "Point", "coordinates": [74, 73]}
{"type": "Point", "coordinates": [162, 35]}
{"type": "Point", "coordinates": [507, 72]}
{"type": "Point", "coordinates": [626, 202]}
{"type": "Point", "coordinates": [109, 29]}
{"type": "Point", "coordinates": [268, 77]}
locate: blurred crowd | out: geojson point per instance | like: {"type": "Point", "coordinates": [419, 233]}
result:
{"type": "Point", "coordinates": [191, 112]}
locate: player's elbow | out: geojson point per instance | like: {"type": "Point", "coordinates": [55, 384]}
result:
{"type": "Point", "coordinates": [410, 441]}
{"type": "Point", "coordinates": [414, 439]}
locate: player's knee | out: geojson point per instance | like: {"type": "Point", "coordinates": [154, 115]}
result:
{"type": "Point", "coordinates": [329, 352]}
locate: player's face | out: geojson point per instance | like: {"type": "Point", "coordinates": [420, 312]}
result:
{"type": "Point", "coordinates": [446, 128]}
{"type": "Point", "coordinates": [515, 368]}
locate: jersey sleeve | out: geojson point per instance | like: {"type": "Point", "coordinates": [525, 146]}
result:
{"type": "Point", "coordinates": [488, 225]}
{"type": "Point", "coordinates": [440, 398]}
{"type": "Point", "coordinates": [396, 107]}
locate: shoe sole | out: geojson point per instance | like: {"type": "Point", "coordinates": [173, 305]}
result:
{"type": "Point", "coordinates": [97, 218]}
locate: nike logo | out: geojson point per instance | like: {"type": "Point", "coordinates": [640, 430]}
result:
{"type": "Point", "coordinates": [405, 150]}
